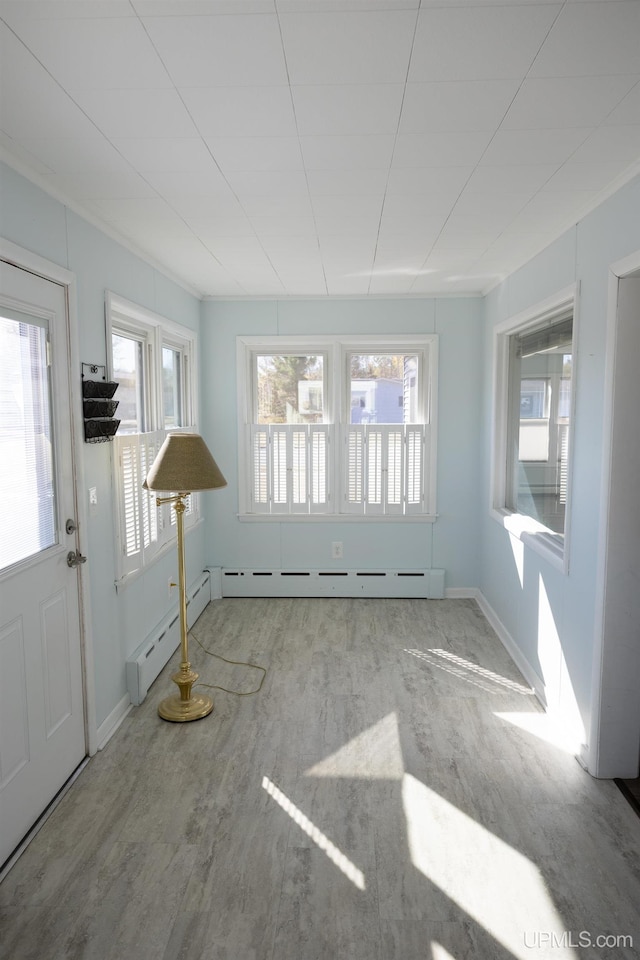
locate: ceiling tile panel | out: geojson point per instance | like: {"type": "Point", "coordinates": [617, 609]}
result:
{"type": "Point", "coordinates": [33, 104]}
{"type": "Point", "coordinates": [364, 47]}
{"type": "Point", "coordinates": [85, 186]}
{"type": "Point", "coordinates": [476, 42]}
{"type": "Point", "coordinates": [216, 227]}
{"type": "Point", "coordinates": [608, 144]}
{"type": "Point", "coordinates": [95, 54]}
{"type": "Point", "coordinates": [531, 147]}
{"type": "Point", "coordinates": [121, 114]}
{"type": "Point", "coordinates": [510, 179]}
{"type": "Point", "coordinates": [428, 181]}
{"type": "Point", "coordinates": [243, 154]}
{"type": "Point", "coordinates": [166, 155]}
{"type": "Point", "coordinates": [241, 111]}
{"type": "Point", "coordinates": [17, 11]}
{"type": "Point", "coordinates": [368, 152]}
{"type": "Point", "coordinates": [223, 51]}
{"type": "Point", "coordinates": [585, 176]}
{"type": "Point", "coordinates": [277, 206]}
{"type": "Point", "coordinates": [198, 8]}
{"type": "Point", "coordinates": [284, 226]}
{"type": "Point", "coordinates": [459, 105]}
{"type": "Point", "coordinates": [78, 154]}
{"type": "Point", "coordinates": [441, 149]}
{"type": "Point", "coordinates": [201, 183]}
{"type": "Point", "coordinates": [261, 183]}
{"type": "Point", "coordinates": [592, 39]}
{"type": "Point", "coordinates": [566, 101]}
{"type": "Point", "coordinates": [365, 182]}
{"type": "Point", "coordinates": [348, 109]}
{"type": "Point", "coordinates": [628, 110]}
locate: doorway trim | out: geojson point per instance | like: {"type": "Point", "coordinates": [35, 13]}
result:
{"type": "Point", "coordinates": [26, 260]}
{"type": "Point", "coordinates": [608, 754]}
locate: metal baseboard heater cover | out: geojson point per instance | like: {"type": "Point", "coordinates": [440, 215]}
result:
{"type": "Point", "coordinates": [243, 582]}
{"type": "Point", "coordinates": [147, 660]}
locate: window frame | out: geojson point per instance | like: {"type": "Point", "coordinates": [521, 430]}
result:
{"type": "Point", "coordinates": [336, 351]}
{"type": "Point", "coordinates": [554, 547]}
{"type": "Point", "coordinates": [154, 332]}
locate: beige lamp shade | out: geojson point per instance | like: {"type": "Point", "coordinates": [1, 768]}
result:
{"type": "Point", "coordinates": [184, 464]}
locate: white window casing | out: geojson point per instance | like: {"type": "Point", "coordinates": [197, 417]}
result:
{"type": "Point", "coordinates": [143, 528]}
{"type": "Point", "coordinates": [545, 433]}
{"type": "Point", "coordinates": [339, 469]}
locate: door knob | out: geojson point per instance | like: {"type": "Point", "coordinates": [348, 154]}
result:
{"type": "Point", "coordinates": [75, 558]}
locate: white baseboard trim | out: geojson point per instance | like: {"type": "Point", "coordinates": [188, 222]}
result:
{"type": "Point", "coordinates": [461, 593]}
{"type": "Point", "coordinates": [109, 726]}
{"type": "Point", "coordinates": [528, 672]}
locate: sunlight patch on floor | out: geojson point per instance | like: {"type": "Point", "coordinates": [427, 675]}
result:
{"type": "Point", "coordinates": [471, 672]}
{"type": "Point", "coordinates": [375, 754]}
{"type": "Point", "coordinates": [495, 885]}
{"type": "Point", "coordinates": [545, 727]}
{"type": "Point", "coordinates": [336, 856]}
{"type": "Point", "coordinates": [438, 952]}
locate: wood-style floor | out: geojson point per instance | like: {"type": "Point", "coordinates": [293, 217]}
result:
{"type": "Point", "coordinates": [390, 794]}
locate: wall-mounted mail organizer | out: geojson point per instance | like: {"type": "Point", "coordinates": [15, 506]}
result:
{"type": "Point", "coordinates": [98, 405]}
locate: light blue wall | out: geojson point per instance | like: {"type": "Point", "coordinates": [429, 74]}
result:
{"type": "Point", "coordinates": [551, 615]}
{"type": "Point", "coordinates": [35, 221]}
{"type": "Point", "coordinates": [452, 542]}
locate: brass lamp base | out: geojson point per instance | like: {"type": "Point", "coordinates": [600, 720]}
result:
{"type": "Point", "coordinates": [184, 706]}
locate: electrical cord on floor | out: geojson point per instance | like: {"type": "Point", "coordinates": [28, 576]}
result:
{"type": "Point", "coordinates": [235, 663]}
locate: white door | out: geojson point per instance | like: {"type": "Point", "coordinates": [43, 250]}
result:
{"type": "Point", "coordinates": [42, 730]}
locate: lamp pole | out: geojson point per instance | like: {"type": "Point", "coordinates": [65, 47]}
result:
{"type": "Point", "coordinates": [184, 706]}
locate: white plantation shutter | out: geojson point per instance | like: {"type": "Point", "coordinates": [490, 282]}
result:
{"type": "Point", "coordinates": [354, 464]}
{"type": "Point", "coordinates": [319, 492]}
{"type": "Point", "coordinates": [415, 471]}
{"type": "Point", "coordinates": [144, 526]}
{"type": "Point", "coordinates": [384, 469]}
{"type": "Point", "coordinates": [279, 492]}
{"type": "Point", "coordinates": [140, 520]}
{"type": "Point", "coordinates": [260, 469]}
{"type": "Point", "coordinates": [289, 464]}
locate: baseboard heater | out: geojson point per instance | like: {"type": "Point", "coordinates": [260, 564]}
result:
{"type": "Point", "coordinates": [242, 582]}
{"type": "Point", "coordinates": [147, 660]}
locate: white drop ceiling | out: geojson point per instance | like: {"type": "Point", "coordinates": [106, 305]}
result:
{"type": "Point", "coordinates": [272, 148]}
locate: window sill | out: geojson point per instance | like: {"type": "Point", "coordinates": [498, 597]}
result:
{"type": "Point", "coordinates": [335, 518]}
{"type": "Point", "coordinates": [551, 546]}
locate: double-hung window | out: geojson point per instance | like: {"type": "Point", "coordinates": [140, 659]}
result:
{"type": "Point", "coordinates": [151, 358]}
{"type": "Point", "coordinates": [337, 427]}
{"type": "Point", "coordinates": [534, 389]}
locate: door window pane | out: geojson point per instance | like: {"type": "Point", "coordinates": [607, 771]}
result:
{"type": "Point", "coordinates": [26, 443]}
{"type": "Point", "coordinates": [383, 388]}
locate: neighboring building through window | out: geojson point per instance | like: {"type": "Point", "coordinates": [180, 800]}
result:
{"type": "Point", "coordinates": [333, 426]}
{"type": "Point", "coordinates": [534, 388]}
{"type": "Point", "coordinates": [151, 359]}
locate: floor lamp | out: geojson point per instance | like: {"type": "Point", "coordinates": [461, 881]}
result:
{"type": "Point", "coordinates": [183, 464]}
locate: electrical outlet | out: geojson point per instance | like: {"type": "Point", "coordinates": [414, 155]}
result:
{"type": "Point", "coordinates": [336, 550]}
